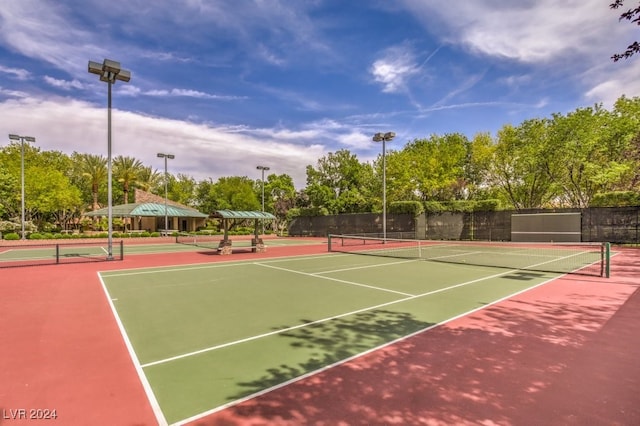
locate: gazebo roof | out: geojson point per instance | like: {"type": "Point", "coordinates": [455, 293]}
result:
{"type": "Point", "coordinates": [231, 214]}
{"type": "Point", "coordinates": [147, 209]}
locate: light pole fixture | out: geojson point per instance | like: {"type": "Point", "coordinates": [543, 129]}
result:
{"type": "Point", "coordinates": [109, 72]}
{"type": "Point", "coordinates": [22, 139]}
{"type": "Point", "coordinates": [263, 169]}
{"type": "Point", "coordinates": [384, 138]}
{"type": "Point", "coordinates": [166, 216]}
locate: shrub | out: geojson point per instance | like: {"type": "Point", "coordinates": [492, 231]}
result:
{"type": "Point", "coordinates": [615, 199]}
{"type": "Point", "coordinates": [6, 226]}
{"type": "Point", "coordinates": [12, 236]}
{"type": "Point", "coordinates": [489, 205]}
{"type": "Point", "coordinates": [155, 234]}
{"type": "Point", "coordinates": [434, 207]}
{"type": "Point", "coordinates": [410, 207]}
{"type": "Point", "coordinates": [314, 211]}
{"type": "Point", "coordinates": [35, 236]}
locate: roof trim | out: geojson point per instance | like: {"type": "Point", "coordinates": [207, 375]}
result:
{"type": "Point", "coordinates": [231, 214]}
{"type": "Point", "coordinates": [147, 210]}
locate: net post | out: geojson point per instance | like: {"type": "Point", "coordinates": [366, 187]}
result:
{"type": "Point", "coordinates": [121, 249]}
{"type": "Point", "coordinates": [607, 260]}
{"type": "Point", "coordinates": [57, 253]}
{"type": "Point", "coordinates": [329, 242]}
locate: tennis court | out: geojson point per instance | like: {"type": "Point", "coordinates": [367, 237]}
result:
{"type": "Point", "coordinates": [44, 253]}
{"type": "Point", "coordinates": [207, 336]}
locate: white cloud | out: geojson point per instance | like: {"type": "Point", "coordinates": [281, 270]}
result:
{"type": "Point", "coordinates": [37, 30]}
{"type": "Point", "coordinates": [611, 81]}
{"type": "Point", "coordinates": [202, 151]}
{"type": "Point", "coordinates": [18, 73]}
{"type": "Point", "coordinates": [395, 68]}
{"type": "Point", "coordinates": [13, 93]}
{"type": "Point", "coordinates": [187, 93]}
{"type": "Point", "coordinates": [526, 31]}
{"type": "Point", "coordinates": [571, 39]}
{"type": "Point", "coordinates": [63, 84]}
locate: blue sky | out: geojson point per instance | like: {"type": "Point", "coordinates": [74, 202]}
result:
{"type": "Point", "coordinates": [226, 85]}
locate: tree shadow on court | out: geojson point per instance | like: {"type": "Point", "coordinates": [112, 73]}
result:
{"type": "Point", "coordinates": [336, 340]}
{"type": "Point", "coordinates": [560, 354]}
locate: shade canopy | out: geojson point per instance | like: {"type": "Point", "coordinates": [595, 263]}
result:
{"type": "Point", "coordinates": [231, 214]}
{"type": "Point", "coordinates": [148, 210]}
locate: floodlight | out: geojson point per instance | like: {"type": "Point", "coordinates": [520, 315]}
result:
{"type": "Point", "coordinates": [384, 137]}
{"type": "Point", "coordinates": [123, 75]}
{"type": "Point", "coordinates": [262, 169]}
{"type": "Point", "coordinates": [166, 215]}
{"type": "Point", "coordinates": [22, 139]}
{"type": "Point", "coordinates": [111, 66]}
{"type": "Point", "coordinates": [109, 71]}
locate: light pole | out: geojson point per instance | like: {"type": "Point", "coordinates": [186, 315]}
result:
{"type": "Point", "coordinates": [109, 72]}
{"type": "Point", "coordinates": [384, 137]}
{"type": "Point", "coordinates": [22, 139]}
{"type": "Point", "coordinates": [263, 168]}
{"type": "Point", "coordinates": [166, 217]}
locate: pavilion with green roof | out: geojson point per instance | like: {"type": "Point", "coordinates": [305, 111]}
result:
{"type": "Point", "coordinates": [151, 216]}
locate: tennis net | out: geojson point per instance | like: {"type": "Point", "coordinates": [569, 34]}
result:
{"type": "Point", "coordinates": [566, 258]}
{"type": "Point", "coordinates": [205, 241]}
{"type": "Point", "coordinates": [43, 253]}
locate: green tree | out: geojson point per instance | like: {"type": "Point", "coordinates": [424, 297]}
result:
{"type": "Point", "coordinates": [228, 193]}
{"type": "Point", "coordinates": [518, 166]}
{"type": "Point", "coordinates": [127, 170]}
{"type": "Point", "coordinates": [622, 135]}
{"type": "Point", "coordinates": [337, 183]}
{"type": "Point", "coordinates": [279, 194]}
{"type": "Point", "coordinates": [580, 160]}
{"type": "Point", "coordinates": [8, 189]}
{"type": "Point", "coordinates": [150, 180]}
{"type": "Point", "coordinates": [433, 169]}
{"type": "Point", "coordinates": [481, 154]}
{"type": "Point", "coordinates": [49, 197]}
{"type": "Point", "coordinates": [94, 169]}
{"type": "Point", "coordinates": [182, 189]}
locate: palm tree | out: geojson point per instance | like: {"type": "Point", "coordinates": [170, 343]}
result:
{"type": "Point", "coordinates": [94, 167]}
{"type": "Point", "coordinates": [149, 180]}
{"type": "Point", "coordinates": [127, 171]}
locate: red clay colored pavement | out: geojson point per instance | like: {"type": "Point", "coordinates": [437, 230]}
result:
{"type": "Point", "coordinates": [61, 348]}
{"type": "Point", "coordinates": [565, 353]}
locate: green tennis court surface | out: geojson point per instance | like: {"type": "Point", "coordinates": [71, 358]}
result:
{"type": "Point", "coordinates": [205, 336]}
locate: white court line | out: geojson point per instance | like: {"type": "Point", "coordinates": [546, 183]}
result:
{"type": "Point", "coordinates": [349, 359]}
{"type": "Point", "coordinates": [155, 406]}
{"type": "Point", "coordinates": [222, 264]}
{"type": "Point", "coordinates": [248, 339]}
{"type": "Point", "coordinates": [271, 333]}
{"type": "Point", "coordinates": [353, 268]}
{"type": "Point", "coordinates": [333, 279]}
